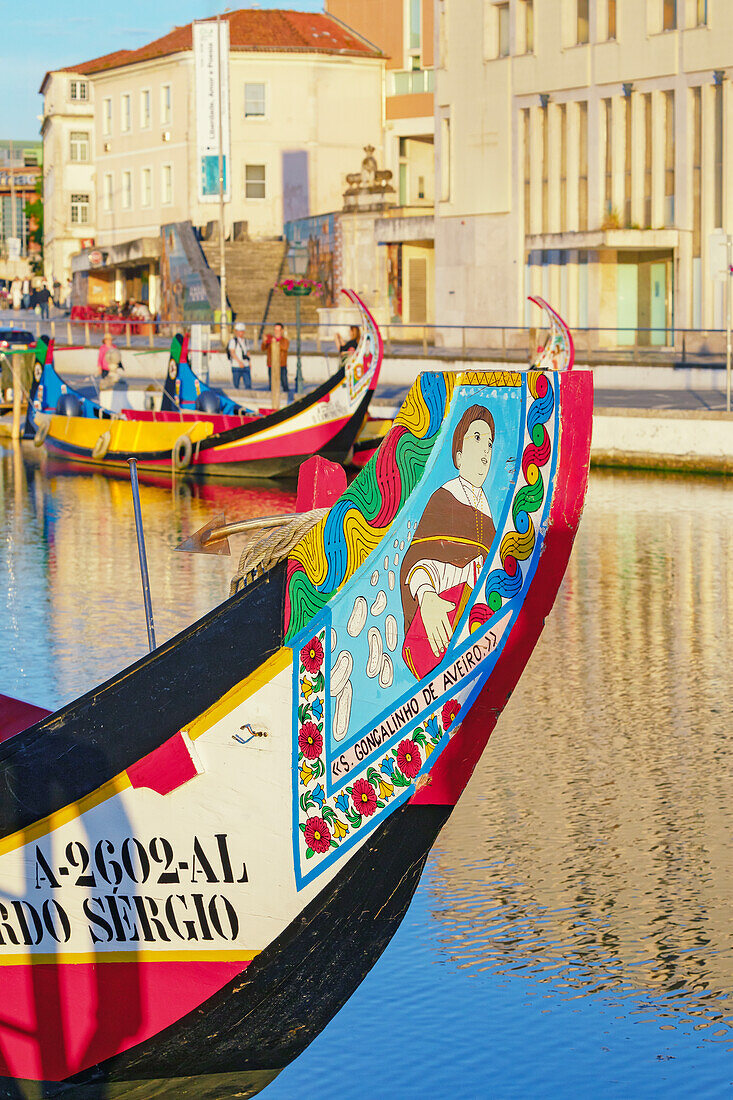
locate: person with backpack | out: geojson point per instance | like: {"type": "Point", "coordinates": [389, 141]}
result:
{"type": "Point", "coordinates": [238, 355]}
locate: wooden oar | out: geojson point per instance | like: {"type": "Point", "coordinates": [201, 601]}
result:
{"type": "Point", "coordinates": [213, 537]}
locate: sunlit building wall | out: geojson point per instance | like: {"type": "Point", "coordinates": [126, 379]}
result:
{"type": "Point", "coordinates": [580, 154]}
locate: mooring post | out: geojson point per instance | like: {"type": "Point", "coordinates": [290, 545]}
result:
{"type": "Point", "coordinates": [141, 553]}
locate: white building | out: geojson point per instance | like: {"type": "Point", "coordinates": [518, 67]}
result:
{"type": "Point", "coordinates": [305, 96]}
{"type": "Point", "coordinates": [68, 169]}
{"type": "Point", "coordinates": [581, 154]}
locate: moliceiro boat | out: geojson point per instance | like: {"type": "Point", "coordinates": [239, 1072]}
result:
{"type": "Point", "coordinates": [202, 858]}
{"type": "Point", "coordinates": [199, 428]}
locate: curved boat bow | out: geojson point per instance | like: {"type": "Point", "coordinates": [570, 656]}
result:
{"type": "Point", "coordinates": [201, 858]}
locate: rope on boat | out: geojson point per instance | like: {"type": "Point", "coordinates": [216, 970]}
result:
{"type": "Point", "coordinates": [257, 557]}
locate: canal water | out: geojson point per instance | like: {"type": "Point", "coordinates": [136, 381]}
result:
{"type": "Point", "coordinates": [572, 932]}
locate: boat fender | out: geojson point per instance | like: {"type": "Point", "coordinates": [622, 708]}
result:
{"type": "Point", "coordinates": [41, 432]}
{"type": "Point", "coordinates": [182, 452]}
{"type": "Point", "coordinates": [100, 448]}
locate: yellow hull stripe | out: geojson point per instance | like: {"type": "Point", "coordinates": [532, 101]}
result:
{"type": "Point", "coordinates": [126, 435]}
{"type": "Point", "coordinates": [66, 958]}
{"type": "Point", "coordinates": [236, 695]}
{"type": "Point", "coordinates": [63, 816]}
{"type": "Point", "coordinates": [112, 787]}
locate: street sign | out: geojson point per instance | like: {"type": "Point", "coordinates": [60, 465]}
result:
{"type": "Point", "coordinates": [96, 259]}
{"type": "Point", "coordinates": [718, 254]}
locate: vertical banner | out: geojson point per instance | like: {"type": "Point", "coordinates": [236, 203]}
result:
{"type": "Point", "coordinates": [212, 104]}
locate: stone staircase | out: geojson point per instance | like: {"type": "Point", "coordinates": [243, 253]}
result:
{"type": "Point", "coordinates": [252, 270]}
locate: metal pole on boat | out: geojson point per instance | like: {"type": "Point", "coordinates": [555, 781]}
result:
{"type": "Point", "coordinates": [141, 551]}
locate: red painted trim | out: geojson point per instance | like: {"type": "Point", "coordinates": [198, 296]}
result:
{"type": "Point", "coordinates": [166, 768]}
{"type": "Point", "coordinates": [16, 716]}
{"type": "Point", "coordinates": [56, 1020]}
{"type": "Point", "coordinates": [454, 767]}
{"type": "Point", "coordinates": [306, 441]}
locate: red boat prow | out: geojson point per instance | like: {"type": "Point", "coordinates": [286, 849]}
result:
{"type": "Point", "coordinates": [15, 715]}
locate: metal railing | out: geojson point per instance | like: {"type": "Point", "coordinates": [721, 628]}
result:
{"type": "Point", "coordinates": [513, 343]}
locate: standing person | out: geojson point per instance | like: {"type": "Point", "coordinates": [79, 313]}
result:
{"type": "Point", "coordinates": [276, 348]}
{"type": "Point", "coordinates": [103, 361]}
{"type": "Point", "coordinates": [16, 293]}
{"type": "Point", "coordinates": [345, 346]}
{"type": "Point", "coordinates": [43, 297]}
{"type": "Point", "coordinates": [238, 355]}
{"type": "Point", "coordinates": [26, 293]}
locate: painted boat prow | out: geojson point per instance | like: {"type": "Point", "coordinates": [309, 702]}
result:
{"type": "Point", "coordinates": [300, 746]}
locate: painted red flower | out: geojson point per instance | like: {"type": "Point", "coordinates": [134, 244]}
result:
{"type": "Point", "coordinates": [310, 740]}
{"type": "Point", "coordinates": [409, 760]}
{"type": "Point", "coordinates": [450, 712]}
{"type": "Point", "coordinates": [317, 834]}
{"type": "Point", "coordinates": [364, 797]}
{"type": "Point", "coordinates": [311, 655]}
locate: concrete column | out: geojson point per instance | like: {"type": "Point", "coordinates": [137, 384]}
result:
{"type": "Point", "coordinates": [573, 167]}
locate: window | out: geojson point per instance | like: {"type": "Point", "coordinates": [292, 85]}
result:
{"type": "Point", "coordinates": [108, 192]}
{"type": "Point", "coordinates": [648, 160]}
{"type": "Point", "coordinates": [529, 26]}
{"type": "Point", "coordinates": [697, 171]}
{"type": "Point", "coordinates": [254, 181]}
{"type": "Point", "coordinates": [701, 13]}
{"type": "Point", "coordinates": [628, 121]}
{"type": "Point", "coordinates": [669, 15]}
{"type": "Point", "coordinates": [502, 12]}
{"type": "Point", "coordinates": [669, 158]}
{"type": "Point", "coordinates": [583, 28]}
{"type": "Point", "coordinates": [611, 28]}
{"type": "Point", "coordinates": [79, 145]}
{"type": "Point", "coordinates": [126, 190]}
{"type": "Point", "coordinates": [78, 90]}
{"type": "Point", "coordinates": [718, 153]}
{"type": "Point", "coordinates": [165, 103]}
{"type": "Point", "coordinates": [254, 100]}
{"type": "Point", "coordinates": [166, 184]}
{"type": "Point", "coordinates": [126, 114]}
{"type": "Point", "coordinates": [145, 109]}
{"type": "Point", "coordinates": [146, 187]}
{"type": "Point", "coordinates": [415, 13]}
{"type": "Point", "coordinates": [79, 209]}
{"type": "Point", "coordinates": [106, 116]}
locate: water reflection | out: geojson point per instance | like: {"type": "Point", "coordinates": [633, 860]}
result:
{"type": "Point", "coordinates": [589, 857]}
{"type": "Point", "coordinates": [70, 581]}
{"type": "Point", "coordinates": [591, 850]}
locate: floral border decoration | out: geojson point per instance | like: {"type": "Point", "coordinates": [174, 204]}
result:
{"type": "Point", "coordinates": [325, 823]}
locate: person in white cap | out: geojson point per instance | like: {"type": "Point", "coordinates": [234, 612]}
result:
{"type": "Point", "coordinates": [238, 355]}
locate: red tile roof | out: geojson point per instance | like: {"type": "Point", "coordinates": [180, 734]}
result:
{"type": "Point", "coordinates": [271, 30]}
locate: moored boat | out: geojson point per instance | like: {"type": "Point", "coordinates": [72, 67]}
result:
{"type": "Point", "coordinates": [201, 430]}
{"type": "Point", "coordinates": [201, 858]}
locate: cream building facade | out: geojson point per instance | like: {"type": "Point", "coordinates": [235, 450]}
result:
{"type": "Point", "coordinates": [582, 153]}
{"type": "Point", "coordinates": [69, 207]}
{"type": "Point", "coordinates": [305, 96]}
{"type": "Point", "coordinates": [404, 31]}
